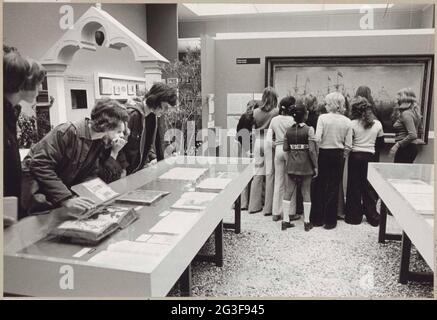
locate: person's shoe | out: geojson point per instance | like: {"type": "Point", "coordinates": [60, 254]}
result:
{"type": "Point", "coordinates": [285, 225]}
{"type": "Point", "coordinates": [318, 224]}
{"type": "Point", "coordinates": [253, 212]}
{"type": "Point", "coordinates": [267, 214]}
{"type": "Point", "coordinates": [276, 217]}
{"type": "Point", "coordinates": [294, 217]}
{"type": "Point", "coordinates": [308, 226]}
{"type": "Point", "coordinates": [244, 209]}
{"type": "Point", "coordinates": [341, 216]}
{"type": "Point", "coordinates": [355, 223]}
{"type": "Point", "coordinates": [329, 226]}
{"type": "Point", "coordinates": [374, 221]}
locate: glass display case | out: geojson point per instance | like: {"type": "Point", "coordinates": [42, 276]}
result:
{"type": "Point", "coordinates": [138, 261]}
{"type": "Point", "coordinates": [407, 191]}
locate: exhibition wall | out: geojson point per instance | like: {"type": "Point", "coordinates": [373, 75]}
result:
{"type": "Point", "coordinates": [250, 78]}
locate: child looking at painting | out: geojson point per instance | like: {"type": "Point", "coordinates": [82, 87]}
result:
{"type": "Point", "coordinates": [301, 154]}
{"type": "Point", "coordinates": [366, 130]}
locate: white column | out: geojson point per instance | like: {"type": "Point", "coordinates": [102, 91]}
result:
{"type": "Point", "coordinates": [152, 72]}
{"type": "Point", "coordinates": [56, 89]}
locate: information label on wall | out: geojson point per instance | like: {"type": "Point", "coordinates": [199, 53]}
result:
{"type": "Point", "coordinates": [248, 61]}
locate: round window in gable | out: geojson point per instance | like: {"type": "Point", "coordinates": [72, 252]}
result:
{"type": "Point", "coordinates": [100, 37]}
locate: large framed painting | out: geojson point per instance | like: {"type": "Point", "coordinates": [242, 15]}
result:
{"type": "Point", "coordinates": [384, 75]}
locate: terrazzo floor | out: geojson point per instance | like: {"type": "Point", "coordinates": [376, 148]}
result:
{"type": "Point", "coordinates": [347, 262]}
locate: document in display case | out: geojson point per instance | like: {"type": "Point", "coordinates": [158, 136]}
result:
{"type": "Point", "coordinates": [143, 197]}
{"type": "Point", "coordinates": [91, 231]}
{"type": "Point", "coordinates": [181, 173]}
{"type": "Point", "coordinates": [96, 190]}
{"type": "Point", "coordinates": [194, 200]}
{"type": "Point", "coordinates": [176, 222]}
{"type": "Point", "coordinates": [212, 185]}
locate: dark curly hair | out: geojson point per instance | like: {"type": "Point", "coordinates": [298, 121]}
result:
{"type": "Point", "coordinates": [365, 92]}
{"type": "Point", "coordinates": [361, 109]}
{"type": "Point", "coordinates": [299, 111]}
{"type": "Point", "coordinates": [286, 104]}
{"type": "Point", "coordinates": [160, 92]}
{"type": "Point", "coordinates": [20, 73]}
{"type": "Point", "coordinates": [107, 115]}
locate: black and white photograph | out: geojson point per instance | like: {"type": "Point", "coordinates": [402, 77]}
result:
{"type": "Point", "coordinates": [218, 150]}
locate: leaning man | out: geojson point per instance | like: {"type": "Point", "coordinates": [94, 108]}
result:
{"type": "Point", "coordinates": [69, 155]}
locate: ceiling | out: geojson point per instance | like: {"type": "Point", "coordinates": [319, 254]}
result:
{"type": "Point", "coordinates": [212, 11]}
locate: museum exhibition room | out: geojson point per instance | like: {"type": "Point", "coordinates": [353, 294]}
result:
{"type": "Point", "coordinates": [218, 150]}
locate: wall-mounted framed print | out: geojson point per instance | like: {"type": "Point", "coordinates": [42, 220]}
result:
{"type": "Point", "coordinates": [117, 89]}
{"type": "Point", "coordinates": [384, 75]}
{"type": "Point", "coordinates": [123, 89]}
{"type": "Point", "coordinates": [105, 86]}
{"type": "Point", "coordinates": [131, 89]}
{"type": "Point", "coordinates": [140, 89]}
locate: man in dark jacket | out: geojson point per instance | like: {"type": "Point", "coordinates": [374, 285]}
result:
{"type": "Point", "coordinates": [70, 155]}
{"type": "Point", "coordinates": [21, 81]}
{"type": "Point", "coordinates": [143, 125]}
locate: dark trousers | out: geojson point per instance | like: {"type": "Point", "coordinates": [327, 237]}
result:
{"type": "Point", "coordinates": [406, 154]}
{"type": "Point", "coordinates": [360, 195]}
{"type": "Point", "coordinates": [326, 187]}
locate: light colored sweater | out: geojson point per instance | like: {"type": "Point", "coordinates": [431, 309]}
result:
{"type": "Point", "coordinates": [334, 131]}
{"type": "Point", "coordinates": [277, 129]}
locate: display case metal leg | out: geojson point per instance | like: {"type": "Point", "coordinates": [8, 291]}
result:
{"type": "Point", "coordinates": [185, 282]}
{"type": "Point", "coordinates": [405, 259]}
{"type": "Point", "coordinates": [217, 257]}
{"type": "Point", "coordinates": [219, 245]}
{"type": "Point", "coordinates": [405, 274]}
{"type": "Point", "coordinates": [382, 223]}
{"type": "Point", "coordinates": [383, 235]}
{"type": "Point", "coordinates": [236, 226]}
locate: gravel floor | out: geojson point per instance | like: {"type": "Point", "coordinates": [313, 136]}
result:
{"type": "Point", "coordinates": [264, 261]}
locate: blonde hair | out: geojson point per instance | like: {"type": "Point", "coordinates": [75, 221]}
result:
{"type": "Point", "coordinates": [406, 95]}
{"type": "Point", "coordinates": [335, 102]}
{"type": "Point", "coordinates": [269, 99]}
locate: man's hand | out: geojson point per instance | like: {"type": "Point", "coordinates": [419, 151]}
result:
{"type": "Point", "coordinates": [151, 163]}
{"type": "Point", "coordinates": [79, 204]}
{"type": "Point", "coordinates": [316, 173]}
{"type": "Point", "coordinates": [117, 145]}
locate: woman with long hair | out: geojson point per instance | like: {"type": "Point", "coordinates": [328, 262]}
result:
{"type": "Point", "coordinates": [366, 130]}
{"type": "Point", "coordinates": [408, 127]}
{"type": "Point", "coordinates": [244, 138]}
{"type": "Point", "coordinates": [365, 92]}
{"type": "Point", "coordinates": [263, 153]}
